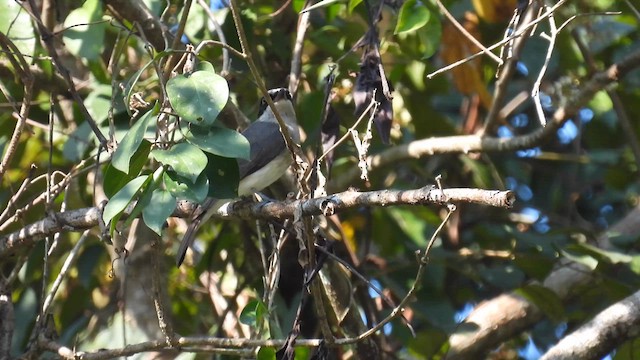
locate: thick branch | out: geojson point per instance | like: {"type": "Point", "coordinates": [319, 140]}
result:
{"type": "Point", "coordinates": [81, 219]}
{"type": "Point", "coordinates": [598, 337]}
{"type": "Point", "coordinates": [502, 317]}
{"type": "Point", "coordinates": [137, 12]}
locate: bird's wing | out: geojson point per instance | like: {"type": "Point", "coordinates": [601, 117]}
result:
{"type": "Point", "coordinates": [266, 144]}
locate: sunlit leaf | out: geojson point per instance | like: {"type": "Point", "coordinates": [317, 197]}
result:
{"type": "Point", "coordinates": [119, 202]}
{"type": "Point", "coordinates": [162, 205]}
{"type": "Point", "coordinates": [85, 36]}
{"type": "Point", "coordinates": [115, 179]}
{"type": "Point", "coordinates": [185, 159]}
{"type": "Point", "coordinates": [129, 145]}
{"type": "Point", "coordinates": [220, 141]}
{"type": "Point", "coordinates": [198, 97]}
{"type": "Point", "coordinates": [413, 15]}
{"type": "Point", "coordinates": [16, 24]}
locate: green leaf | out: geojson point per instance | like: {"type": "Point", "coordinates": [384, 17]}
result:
{"type": "Point", "coordinates": [205, 66]}
{"type": "Point", "coordinates": [130, 143]}
{"type": "Point", "coordinates": [253, 314]}
{"type": "Point", "coordinates": [352, 5]}
{"type": "Point", "coordinates": [77, 143]}
{"type": "Point", "coordinates": [413, 15]}
{"type": "Point", "coordinates": [612, 257]}
{"type": "Point", "coordinates": [119, 202]}
{"type": "Point", "coordinates": [585, 260]}
{"type": "Point", "coordinates": [185, 159]}
{"type": "Point", "coordinates": [115, 179]}
{"type": "Point", "coordinates": [546, 300]}
{"type": "Point", "coordinates": [162, 205]}
{"type": "Point", "coordinates": [184, 189]}
{"type": "Point", "coordinates": [220, 141]}
{"type": "Point", "coordinates": [16, 24]}
{"type": "Point", "coordinates": [266, 353]}
{"type": "Point", "coordinates": [85, 41]}
{"type": "Point", "coordinates": [223, 175]}
{"type": "Point", "coordinates": [145, 198]}
{"type": "Point", "coordinates": [430, 37]}
{"type": "Point", "coordinates": [198, 97]}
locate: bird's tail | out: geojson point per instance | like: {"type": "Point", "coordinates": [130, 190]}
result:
{"type": "Point", "coordinates": [187, 240]}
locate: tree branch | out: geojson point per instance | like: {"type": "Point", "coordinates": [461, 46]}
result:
{"type": "Point", "coordinates": [506, 315]}
{"type": "Point", "coordinates": [598, 337]}
{"type": "Point", "coordinates": [81, 219]}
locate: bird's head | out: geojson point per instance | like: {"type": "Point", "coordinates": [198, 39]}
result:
{"type": "Point", "coordinates": [282, 99]}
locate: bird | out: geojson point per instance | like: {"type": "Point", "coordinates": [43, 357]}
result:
{"type": "Point", "coordinates": [269, 159]}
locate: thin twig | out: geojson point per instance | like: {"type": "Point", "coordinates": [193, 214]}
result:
{"type": "Point", "coordinates": [173, 59]}
{"type": "Point", "coordinates": [226, 64]}
{"type": "Point", "coordinates": [21, 67]}
{"type": "Point", "coordinates": [296, 56]}
{"type": "Point", "coordinates": [47, 37]}
{"type": "Point", "coordinates": [535, 90]}
{"type": "Point", "coordinates": [464, 32]}
{"type": "Point", "coordinates": [500, 43]}
{"type": "Point", "coordinates": [225, 46]}
{"type": "Point", "coordinates": [75, 251]}
{"type": "Point", "coordinates": [424, 260]}
{"type": "Point", "coordinates": [507, 70]}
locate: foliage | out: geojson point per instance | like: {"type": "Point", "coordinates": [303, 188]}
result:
{"type": "Point", "coordinates": [165, 113]}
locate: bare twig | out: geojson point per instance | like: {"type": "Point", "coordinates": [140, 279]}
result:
{"type": "Point", "coordinates": [225, 46]}
{"type": "Point", "coordinates": [47, 38]}
{"type": "Point", "coordinates": [21, 67]}
{"type": "Point", "coordinates": [174, 58]}
{"type": "Point", "coordinates": [507, 70]}
{"type": "Point", "coordinates": [226, 64]}
{"type": "Point", "coordinates": [165, 322]}
{"type": "Point", "coordinates": [464, 32]}
{"type": "Point", "coordinates": [296, 57]}
{"type": "Point", "coordinates": [500, 43]}
{"type": "Point", "coordinates": [424, 260]}
{"type": "Point", "coordinates": [75, 251]}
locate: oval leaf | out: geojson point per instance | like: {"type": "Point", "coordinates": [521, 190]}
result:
{"type": "Point", "coordinates": [220, 141]}
{"type": "Point", "coordinates": [16, 24]}
{"type": "Point", "coordinates": [130, 143]}
{"type": "Point", "coordinates": [185, 159]}
{"type": "Point", "coordinates": [122, 198]}
{"type": "Point", "coordinates": [223, 175]}
{"type": "Point", "coordinates": [115, 179]}
{"type": "Point", "coordinates": [163, 205]}
{"type": "Point", "coordinates": [413, 15]}
{"type": "Point", "coordinates": [198, 97]}
{"type": "Point", "coordinates": [85, 41]}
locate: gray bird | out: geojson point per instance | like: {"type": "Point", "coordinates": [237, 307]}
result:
{"type": "Point", "coordinates": [269, 159]}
